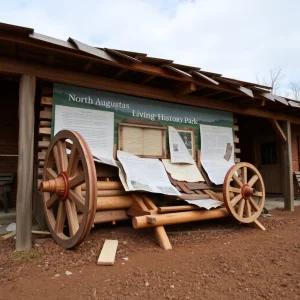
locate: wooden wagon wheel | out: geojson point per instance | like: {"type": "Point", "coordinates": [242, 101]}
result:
{"type": "Point", "coordinates": [248, 198]}
{"type": "Point", "coordinates": [62, 198]}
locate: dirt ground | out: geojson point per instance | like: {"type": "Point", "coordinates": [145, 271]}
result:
{"type": "Point", "coordinates": [210, 260]}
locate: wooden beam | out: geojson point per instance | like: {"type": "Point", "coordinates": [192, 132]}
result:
{"type": "Point", "coordinates": [278, 130]}
{"type": "Point", "coordinates": [213, 93]}
{"type": "Point", "coordinates": [287, 168]}
{"type": "Point", "coordinates": [91, 81]}
{"type": "Point", "coordinates": [50, 59]}
{"type": "Point", "coordinates": [120, 73]}
{"type": "Point", "coordinates": [25, 162]}
{"type": "Point", "coordinates": [185, 88]}
{"type": "Point", "coordinates": [149, 78]}
{"type": "Point", "coordinates": [231, 97]}
{"type": "Point", "coordinates": [87, 66]}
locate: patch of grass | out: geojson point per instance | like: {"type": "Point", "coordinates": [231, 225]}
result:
{"type": "Point", "coordinates": [26, 256]}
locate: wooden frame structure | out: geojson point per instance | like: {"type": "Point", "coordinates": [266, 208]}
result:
{"type": "Point", "coordinates": [73, 193]}
{"type": "Point", "coordinates": [26, 54]}
{"type": "Point", "coordinates": [161, 130]}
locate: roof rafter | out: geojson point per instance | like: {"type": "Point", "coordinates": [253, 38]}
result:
{"type": "Point", "coordinates": [185, 88]}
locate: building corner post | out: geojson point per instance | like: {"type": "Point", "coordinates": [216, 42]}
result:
{"type": "Point", "coordinates": [25, 162]}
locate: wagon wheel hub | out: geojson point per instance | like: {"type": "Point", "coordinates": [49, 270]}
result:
{"type": "Point", "coordinates": [59, 185]}
{"type": "Point", "coordinates": [247, 191]}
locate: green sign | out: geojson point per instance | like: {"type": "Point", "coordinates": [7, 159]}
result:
{"type": "Point", "coordinates": [125, 106]}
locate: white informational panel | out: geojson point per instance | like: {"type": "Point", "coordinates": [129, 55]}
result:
{"type": "Point", "coordinates": [95, 126]}
{"type": "Point", "coordinates": [183, 172]}
{"type": "Point", "coordinates": [207, 204]}
{"type": "Point", "coordinates": [178, 150]}
{"type": "Point", "coordinates": [217, 151]}
{"type": "Point", "coordinates": [146, 174]}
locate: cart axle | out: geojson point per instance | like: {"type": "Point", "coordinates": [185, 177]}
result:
{"type": "Point", "coordinates": [59, 185]}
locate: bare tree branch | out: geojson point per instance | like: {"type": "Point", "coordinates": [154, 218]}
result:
{"type": "Point", "coordinates": [273, 79]}
{"type": "Point", "coordinates": [295, 89]}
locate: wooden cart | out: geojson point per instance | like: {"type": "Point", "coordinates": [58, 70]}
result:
{"type": "Point", "coordinates": [77, 194]}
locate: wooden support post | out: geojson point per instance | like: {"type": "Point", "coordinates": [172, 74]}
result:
{"type": "Point", "coordinates": [287, 169]}
{"type": "Point", "coordinates": [278, 130]}
{"type": "Point", "coordinates": [25, 162]}
{"type": "Point", "coordinates": [162, 238]}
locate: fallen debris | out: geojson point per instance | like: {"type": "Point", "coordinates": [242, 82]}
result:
{"type": "Point", "coordinates": [108, 253]}
{"type": "Point", "coordinates": [41, 232]}
{"type": "Point", "coordinates": [41, 242]}
{"type": "Point", "coordinates": [68, 273]}
{"type": "Point", "coordinates": [11, 227]}
{"type": "Point", "coordinates": [7, 236]}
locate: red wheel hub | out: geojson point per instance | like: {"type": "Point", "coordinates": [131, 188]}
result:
{"type": "Point", "coordinates": [247, 191]}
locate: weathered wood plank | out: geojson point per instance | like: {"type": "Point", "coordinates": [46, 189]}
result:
{"type": "Point", "coordinates": [196, 185]}
{"type": "Point", "coordinates": [45, 115]}
{"type": "Point", "coordinates": [45, 123]}
{"type": "Point", "coordinates": [46, 101]}
{"type": "Point", "coordinates": [41, 155]}
{"type": "Point", "coordinates": [43, 144]}
{"type": "Point", "coordinates": [108, 253]}
{"type": "Point", "coordinates": [45, 130]}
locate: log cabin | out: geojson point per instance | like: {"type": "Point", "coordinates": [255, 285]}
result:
{"type": "Point", "coordinates": [266, 126]}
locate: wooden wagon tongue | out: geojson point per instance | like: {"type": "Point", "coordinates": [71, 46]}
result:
{"type": "Point", "coordinates": [59, 185]}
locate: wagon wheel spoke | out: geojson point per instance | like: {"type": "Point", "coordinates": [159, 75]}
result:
{"type": "Point", "coordinates": [77, 199]}
{"type": "Point", "coordinates": [234, 190]}
{"type": "Point", "coordinates": [51, 200]}
{"type": "Point", "coordinates": [69, 144]}
{"type": "Point", "coordinates": [77, 180]}
{"type": "Point", "coordinates": [237, 180]}
{"type": "Point", "coordinates": [72, 217]}
{"type": "Point", "coordinates": [73, 161]}
{"type": "Point", "coordinates": [252, 181]}
{"type": "Point", "coordinates": [258, 194]}
{"type": "Point", "coordinates": [60, 156]}
{"type": "Point", "coordinates": [236, 199]}
{"type": "Point", "coordinates": [244, 175]}
{"type": "Point", "coordinates": [247, 209]}
{"type": "Point", "coordinates": [241, 207]}
{"type": "Point", "coordinates": [60, 218]}
{"type": "Point", "coordinates": [50, 173]}
{"type": "Point", "coordinates": [253, 204]}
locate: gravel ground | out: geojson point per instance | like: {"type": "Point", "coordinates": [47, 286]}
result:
{"type": "Point", "coordinates": [216, 259]}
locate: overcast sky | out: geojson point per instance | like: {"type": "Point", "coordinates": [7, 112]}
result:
{"type": "Point", "coordinates": [237, 38]}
